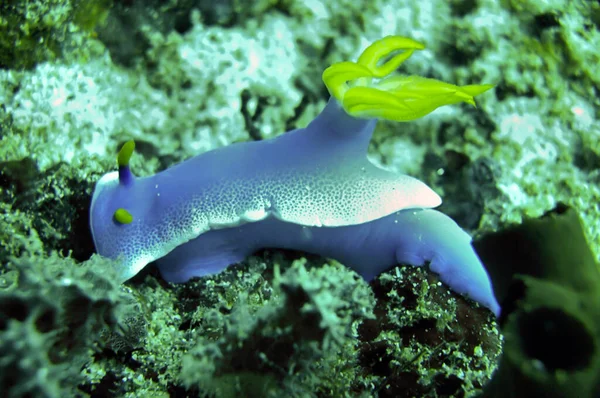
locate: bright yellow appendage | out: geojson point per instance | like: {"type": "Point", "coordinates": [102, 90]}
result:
{"type": "Point", "coordinates": [125, 153]}
{"type": "Point", "coordinates": [122, 216]}
{"type": "Point", "coordinates": [399, 98]}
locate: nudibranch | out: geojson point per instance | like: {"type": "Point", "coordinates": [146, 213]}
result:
{"type": "Point", "coordinates": [311, 189]}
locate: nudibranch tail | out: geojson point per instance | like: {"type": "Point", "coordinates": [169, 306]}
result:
{"type": "Point", "coordinates": [397, 98]}
{"type": "Point", "coordinates": [125, 176]}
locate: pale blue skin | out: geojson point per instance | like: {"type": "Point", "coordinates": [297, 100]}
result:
{"type": "Point", "coordinates": [310, 189]}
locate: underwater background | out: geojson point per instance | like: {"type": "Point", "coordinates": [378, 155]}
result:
{"type": "Point", "coordinates": [78, 78]}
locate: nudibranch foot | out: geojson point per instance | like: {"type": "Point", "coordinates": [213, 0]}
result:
{"type": "Point", "coordinates": [413, 237]}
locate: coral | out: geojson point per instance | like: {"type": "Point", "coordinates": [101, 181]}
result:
{"type": "Point", "coordinates": [217, 65]}
{"type": "Point", "coordinates": [51, 321]}
{"type": "Point", "coordinates": [133, 322]}
{"type": "Point", "coordinates": [421, 338]}
{"type": "Point", "coordinates": [425, 340]}
{"type": "Point", "coordinates": [17, 235]}
{"type": "Point", "coordinates": [50, 206]}
{"type": "Point", "coordinates": [61, 113]}
{"type": "Point", "coordinates": [26, 368]}
{"type": "Point", "coordinates": [568, 31]}
{"type": "Point", "coordinates": [210, 333]}
{"type": "Point", "coordinates": [299, 341]}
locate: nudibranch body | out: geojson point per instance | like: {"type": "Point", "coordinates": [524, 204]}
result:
{"type": "Point", "coordinates": [310, 189]}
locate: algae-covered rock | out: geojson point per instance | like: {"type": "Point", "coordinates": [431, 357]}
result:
{"type": "Point", "coordinates": [300, 341]}
{"type": "Point", "coordinates": [52, 319]}
{"type": "Point", "coordinates": [36, 31]}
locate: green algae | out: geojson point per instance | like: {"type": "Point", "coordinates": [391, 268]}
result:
{"type": "Point", "coordinates": [36, 31]}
